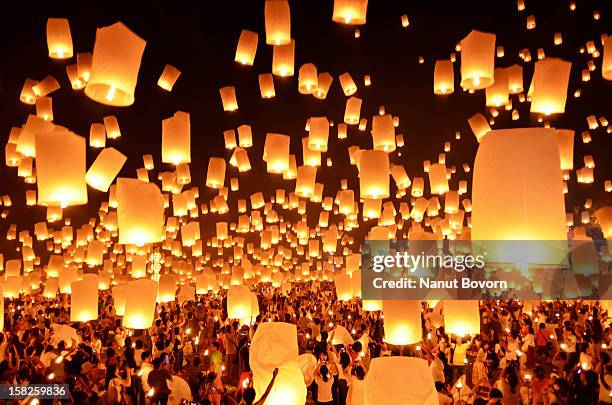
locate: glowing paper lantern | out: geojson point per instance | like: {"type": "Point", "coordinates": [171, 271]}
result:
{"type": "Point", "coordinates": [529, 203]}
{"type": "Point", "coordinates": [115, 63]}
{"type": "Point", "coordinates": [383, 133]}
{"type": "Point", "coordinates": [266, 85]}
{"type": "Point", "coordinates": [352, 111]}
{"type": "Point", "coordinates": [318, 134]}
{"type": "Point", "coordinates": [461, 317]}
{"type": "Point", "coordinates": [438, 183]}
{"type": "Point", "coordinates": [140, 304]}
{"type": "Point", "coordinates": [167, 288]}
{"type": "Point", "coordinates": [307, 79]}
{"type": "Point", "coordinates": [344, 288]}
{"type": "Point", "coordinates": [105, 168]}
{"type": "Point", "coordinates": [246, 48]}
{"type": "Point", "coordinates": [112, 127]}
{"type": "Point", "coordinates": [176, 139]}
{"type": "Point", "coordinates": [515, 79]}
{"type": "Point", "coordinates": [351, 12]}
{"type": "Point", "coordinates": [604, 217]}
{"type": "Point", "coordinates": [306, 179]}
{"type": "Point", "coordinates": [215, 176]}
{"type": "Point", "coordinates": [26, 142]}
{"type": "Point", "coordinates": [550, 81]}
{"type": "Point", "coordinates": [444, 77]}
{"type": "Point", "coordinates": [277, 22]}
{"type": "Point", "coordinates": [60, 169]}
{"type": "Point", "coordinates": [402, 321]}
{"type": "Point", "coordinates": [119, 297]}
{"type": "Point", "coordinates": [565, 139]}
{"type": "Point", "coordinates": [239, 302]}
{"type": "Point", "coordinates": [276, 153]}
{"type": "Point", "coordinates": [399, 381]}
{"type": "Point", "coordinates": [606, 65]}
{"type": "Point", "coordinates": [479, 125]}
{"type": "Point", "coordinates": [348, 84]}
{"type": "Point", "coordinates": [228, 98]}
{"type": "Point", "coordinates": [59, 39]}
{"type": "Point", "coordinates": [274, 344]}
{"type": "Point", "coordinates": [168, 77]}
{"type": "Point", "coordinates": [324, 82]}
{"type": "Point", "coordinates": [140, 212]}
{"type": "Point", "coordinates": [374, 174]}
{"type": "Point", "coordinates": [84, 299]}
{"type": "Point", "coordinates": [497, 93]}
{"type": "Point", "coordinates": [477, 60]}
{"type": "Point", "coordinates": [288, 389]}
{"type": "Point", "coordinates": [283, 59]}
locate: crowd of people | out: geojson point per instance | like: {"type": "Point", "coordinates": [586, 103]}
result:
{"type": "Point", "coordinates": [527, 353]}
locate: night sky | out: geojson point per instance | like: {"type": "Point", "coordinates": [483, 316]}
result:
{"type": "Point", "coordinates": [200, 40]}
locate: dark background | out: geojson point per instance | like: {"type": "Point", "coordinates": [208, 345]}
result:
{"type": "Point", "coordinates": [200, 40]}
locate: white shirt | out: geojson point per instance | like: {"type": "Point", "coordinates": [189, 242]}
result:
{"type": "Point", "coordinates": [324, 389]}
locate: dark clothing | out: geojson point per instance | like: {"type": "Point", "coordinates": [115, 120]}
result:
{"type": "Point", "coordinates": [157, 380]}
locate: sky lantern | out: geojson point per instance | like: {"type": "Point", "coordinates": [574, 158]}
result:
{"type": "Point", "coordinates": [479, 125]}
{"type": "Point", "coordinates": [44, 108]}
{"type": "Point", "coordinates": [604, 217]}
{"type": "Point", "coordinates": [606, 64]}
{"type": "Point", "coordinates": [111, 126]}
{"type": "Point", "coordinates": [215, 176]}
{"type": "Point", "coordinates": [176, 139]}
{"type": "Point", "coordinates": [565, 139]}
{"type": "Point", "coordinates": [344, 288]}
{"type": "Point", "coordinates": [350, 12]}
{"type": "Point", "coordinates": [26, 142]}
{"type": "Point", "coordinates": [477, 60]}
{"type": "Point", "coordinates": [246, 48]}
{"type": "Point", "coordinates": [497, 93]}
{"type": "Point", "coordinates": [60, 169]}
{"type": "Point", "coordinates": [168, 77]}
{"type": "Point", "coordinates": [239, 302]}
{"type": "Point", "coordinates": [276, 152]}
{"type": "Point", "coordinates": [550, 81]}
{"type": "Point", "coordinates": [402, 321]}
{"type": "Point", "coordinates": [46, 86]}
{"type": "Point", "coordinates": [324, 81]}
{"type": "Point", "coordinates": [266, 85]}
{"type": "Point", "coordinates": [140, 304]}
{"type": "Point", "coordinates": [399, 381]}
{"type": "Point", "coordinates": [166, 291]}
{"type": "Point", "coordinates": [515, 79]}
{"type": "Point", "coordinates": [97, 135]}
{"type": "Point", "coordinates": [115, 63]}
{"type": "Point", "coordinates": [529, 203]}
{"type": "Point", "coordinates": [140, 212]}
{"type": "Point", "coordinates": [438, 183]}
{"type": "Point", "coordinates": [288, 388]}
{"type": "Point", "coordinates": [310, 157]}
{"type": "Point", "coordinates": [444, 77]}
{"type": "Point", "coordinates": [277, 22]}
{"type": "Point", "coordinates": [245, 136]}
{"type": "Point", "coordinates": [283, 59]}
{"type": "Point", "coordinates": [306, 179]}
{"type": "Point", "coordinates": [59, 39]}
{"type": "Point", "coordinates": [318, 134]}
{"type": "Point", "coordinates": [51, 287]}
{"type": "Point", "coordinates": [105, 168]}
{"type": "Point", "coordinates": [352, 111]}
{"type": "Point", "coordinates": [228, 98]}
{"type": "Point", "coordinates": [119, 293]}
{"type": "Point", "coordinates": [374, 174]}
{"type": "Point", "coordinates": [461, 317]}
{"type": "Point", "coordinates": [307, 79]}
{"type": "Point", "coordinates": [383, 133]}
{"type": "Point", "coordinates": [348, 84]}
{"type": "Point", "coordinates": [84, 299]}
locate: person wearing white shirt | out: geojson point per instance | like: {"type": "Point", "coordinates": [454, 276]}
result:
{"type": "Point", "coordinates": [324, 381]}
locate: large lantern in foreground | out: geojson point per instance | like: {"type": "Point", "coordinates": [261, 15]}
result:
{"type": "Point", "coordinates": [140, 212]}
{"type": "Point", "coordinates": [402, 321]}
{"type": "Point", "coordinates": [550, 81]}
{"type": "Point", "coordinates": [140, 304]}
{"type": "Point", "coordinates": [60, 169]}
{"type": "Point", "coordinates": [288, 389]}
{"type": "Point", "coordinates": [477, 60]}
{"type": "Point", "coordinates": [115, 63]}
{"type": "Point", "coordinates": [518, 195]}
{"type": "Point", "coordinates": [399, 381]}
{"type": "Point", "coordinates": [461, 317]}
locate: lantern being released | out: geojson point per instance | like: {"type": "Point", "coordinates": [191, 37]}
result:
{"type": "Point", "coordinates": [399, 381]}
{"type": "Point", "coordinates": [288, 389]}
{"type": "Point", "coordinates": [461, 317]}
{"type": "Point", "coordinates": [477, 60]}
{"type": "Point", "coordinates": [550, 81]}
{"type": "Point", "coordinates": [84, 299]}
{"type": "Point", "coordinates": [351, 12]}
{"type": "Point", "coordinates": [59, 39]}
{"type": "Point", "coordinates": [115, 63]}
{"type": "Point", "coordinates": [140, 304]}
{"type": "Point", "coordinates": [60, 165]}
{"type": "Point", "coordinates": [239, 302]}
{"type": "Point", "coordinates": [402, 321]}
{"type": "Point", "coordinates": [140, 212]}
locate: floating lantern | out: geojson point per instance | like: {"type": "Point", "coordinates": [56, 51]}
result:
{"type": "Point", "coordinates": [277, 22]}
{"type": "Point", "coordinates": [477, 60]}
{"type": "Point", "coordinates": [168, 77]}
{"type": "Point", "coordinates": [307, 79]}
{"type": "Point", "coordinates": [276, 153]}
{"type": "Point", "coordinates": [350, 12]}
{"type": "Point", "coordinates": [374, 174]}
{"type": "Point", "coordinates": [228, 98]}
{"type": "Point", "coordinates": [324, 81]}
{"type": "Point", "coordinates": [283, 57]}
{"type": "Point", "coordinates": [479, 125]}
{"type": "Point", "coordinates": [306, 178]}
{"type": "Point", "coordinates": [167, 288]}
{"type": "Point", "coordinates": [176, 139]}
{"type": "Point", "coordinates": [383, 133]}
{"type": "Point", "coordinates": [402, 321]}
{"type": "Point", "coordinates": [239, 302]}
{"type": "Point", "coordinates": [119, 293]}
{"type": "Point", "coordinates": [215, 176]}
{"type": "Point", "coordinates": [140, 304]}
{"type": "Point", "coordinates": [246, 48]}
{"type": "Point", "coordinates": [112, 127]}
{"type": "Point", "coordinates": [245, 136]}
{"type": "Point", "coordinates": [140, 212]}
{"type": "Point", "coordinates": [352, 111]}
{"type": "Point", "coordinates": [59, 39]}
{"type": "Point", "coordinates": [115, 63]}
{"type": "Point", "coordinates": [565, 139]}
{"type": "Point", "coordinates": [266, 85]}
{"type": "Point", "coordinates": [461, 317]}
{"type": "Point", "coordinates": [606, 64]}
{"type": "Point", "coordinates": [105, 168]}
{"type": "Point", "coordinates": [318, 134]}
{"type": "Point", "coordinates": [60, 168]}
{"type": "Point", "coordinates": [84, 299]}
{"type": "Point", "coordinates": [348, 84]}
{"type": "Point", "coordinates": [497, 93]}
{"type": "Point", "coordinates": [444, 77]}
{"type": "Point", "coordinates": [344, 289]}
{"type": "Point", "coordinates": [550, 81]}
{"type": "Point", "coordinates": [438, 182]}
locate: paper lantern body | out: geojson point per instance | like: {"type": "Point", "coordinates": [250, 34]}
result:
{"type": "Point", "coordinates": [119, 297]}
{"type": "Point", "coordinates": [550, 81]}
{"type": "Point", "coordinates": [351, 12]}
{"type": "Point", "coordinates": [400, 381]}
{"type": "Point", "coordinates": [115, 63]}
{"type": "Point", "coordinates": [288, 389]}
{"type": "Point", "coordinates": [606, 65]}
{"type": "Point", "coordinates": [402, 321]}
{"type": "Point", "coordinates": [461, 317]}
{"type": "Point", "coordinates": [277, 22]}
{"type": "Point", "coordinates": [60, 169]}
{"type": "Point", "coordinates": [168, 77]}
{"type": "Point", "coordinates": [140, 212]}
{"type": "Point", "coordinates": [344, 288]}
{"type": "Point", "coordinates": [228, 98]}
{"type": "Point", "coordinates": [479, 125]}
{"type": "Point", "coordinates": [274, 344]}
{"type": "Point", "coordinates": [497, 93]}
{"type": "Point", "coordinates": [283, 59]}
{"type": "Point", "coordinates": [266, 85]}
{"type": "Point", "coordinates": [276, 153]}
{"type": "Point", "coordinates": [438, 182]}
{"type": "Point", "coordinates": [352, 111]}
{"type": "Point", "coordinates": [215, 176]}
{"type": "Point", "coordinates": [239, 302]}
{"type": "Point", "coordinates": [528, 204]}
{"type": "Point", "coordinates": [374, 174]}
{"type": "Point", "coordinates": [515, 79]}
{"type": "Point", "coordinates": [59, 39]}
{"type": "Point", "coordinates": [247, 47]}
{"type": "Point", "coordinates": [167, 288]}
{"type": "Point", "coordinates": [84, 299]}
{"type": "Point", "coordinates": [140, 304]}
{"type": "Point", "coordinates": [318, 134]}
{"type": "Point", "coordinates": [444, 77]}
{"type": "Point", "coordinates": [565, 138]}
{"type": "Point", "coordinates": [105, 168]}
{"type": "Point", "coordinates": [176, 139]}
{"type": "Point", "coordinates": [477, 60]}
{"type": "Point", "coordinates": [383, 133]}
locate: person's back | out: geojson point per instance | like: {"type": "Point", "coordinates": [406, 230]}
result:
{"type": "Point", "coordinates": [157, 380]}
